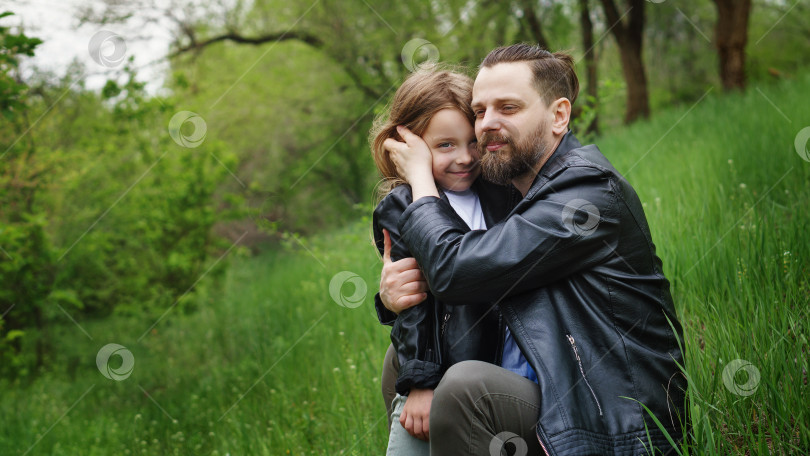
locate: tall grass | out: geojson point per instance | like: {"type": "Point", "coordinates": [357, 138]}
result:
{"type": "Point", "coordinates": [272, 365]}
{"type": "Point", "coordinates": [727, 198]}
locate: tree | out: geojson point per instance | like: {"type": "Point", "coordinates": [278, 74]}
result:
{"type": "Point", "coordinates": [629, 36]}
{"type": "Point", "coordinates": [26, 255]}
{"type": "Point", "coordinates": [532, 23]}
{"type": "Point", "coordinates": [731, 35]}
{"type": "Point", "coordinates": [591, 87]}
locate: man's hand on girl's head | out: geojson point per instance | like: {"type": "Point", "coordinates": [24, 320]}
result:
{"type": "Point", "coordinates": [402, 284]}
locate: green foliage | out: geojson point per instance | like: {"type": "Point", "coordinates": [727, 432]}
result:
{"type": "Point", "coordinates": [101, 211]}
{"type": "Point", "coordinates": [12, 46]}
{"type": "Point", "coordinates": [143, 206]}
{"type": "Point", "coordinates": [26, 258]}
{"type": "Point", "coordinates": [778, 40]}
{"type": "Point", "coordinates": [289, 122]}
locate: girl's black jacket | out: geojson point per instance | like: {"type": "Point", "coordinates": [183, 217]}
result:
{"type": "Point", "coordinates": [431, 337]}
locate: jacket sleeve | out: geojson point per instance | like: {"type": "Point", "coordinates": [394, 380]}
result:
{"type": "Point", "coordinates": [385, 316]}
{"type": "Point", "coordinates": [415, 336]}
{"type": "Point", "coordinates": [569, 224]}
{"type": "Point", "coordinates": [415, 330]}
{"type": "Point", "coordinates": [385, 216]}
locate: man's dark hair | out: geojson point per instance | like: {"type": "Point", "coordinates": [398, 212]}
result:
{"type": "Point", "coordinates": [554, 75]}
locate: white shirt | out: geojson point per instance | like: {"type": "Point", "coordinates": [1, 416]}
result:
{"type": "Point", "coordinates": [468, 207]}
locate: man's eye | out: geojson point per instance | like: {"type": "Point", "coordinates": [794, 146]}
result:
{"type": "Point", "coordinates": [479, 113]}
{"type": "Point", "coordinates": [509, 108]}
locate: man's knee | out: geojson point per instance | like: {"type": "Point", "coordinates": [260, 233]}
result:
{"type": "Point", "coordinates": [456, 394]}
{"type": "Point", "coordinates": [465, 376]}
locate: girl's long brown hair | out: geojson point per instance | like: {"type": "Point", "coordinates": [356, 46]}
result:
{"type": "Point", "coordinates": [424, 93]}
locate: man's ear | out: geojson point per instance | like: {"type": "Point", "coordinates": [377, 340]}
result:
{"type": "Point", "coordinates": [561, 110]}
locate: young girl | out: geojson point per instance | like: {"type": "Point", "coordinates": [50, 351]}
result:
{"type": "Point", "coordinates": [430, 337]}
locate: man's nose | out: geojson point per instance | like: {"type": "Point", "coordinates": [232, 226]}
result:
{"type": "Point", "coordinates": [491, 121]}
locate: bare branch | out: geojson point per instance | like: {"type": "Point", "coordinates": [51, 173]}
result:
{"type": "Point", "coordinates": [305, 37]}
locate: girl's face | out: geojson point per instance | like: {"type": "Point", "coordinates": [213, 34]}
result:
{"type": "Point", "coordinates": [451, 139]}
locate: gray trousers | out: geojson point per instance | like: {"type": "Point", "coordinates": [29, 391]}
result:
{"type": "Point", "coordinates": [478, 409]}
{"type": "Point", "coordinates": [390, 372]}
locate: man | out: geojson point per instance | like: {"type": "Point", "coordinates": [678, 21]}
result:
{"type": "Point", "coordinates": [572, 270]}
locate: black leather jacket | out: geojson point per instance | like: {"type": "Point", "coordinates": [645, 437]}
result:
{"type": "Point", "coordinates": [574, 272]}
{"type": "Point", "coordinates": [431, 337]}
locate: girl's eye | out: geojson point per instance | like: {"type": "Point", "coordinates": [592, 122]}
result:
{"type": "Point", "coordinates": [445, 145]}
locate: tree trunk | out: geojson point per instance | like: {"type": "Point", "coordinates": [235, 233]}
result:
{"type": "Point", "coordinates": [731, 37]}
{"type": "Point", "coordinates": [638, 103]}
{"type": "Point", "coordinates": [592, 91]}
{"type": "Point", "coordinates": [534, 25]}
{"type": "Point", "coordinates": [629, 36]}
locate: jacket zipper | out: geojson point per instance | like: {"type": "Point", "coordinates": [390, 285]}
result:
{"type": "Point", "coordinates": [444, 323]}
{"type": "Point", "coordinates": [429, 356]}
{"type": "Point", "coordinates": [501, 337]}
{"type": "Point", "coordinates": [541, 445]}
{"type": "Point", "coordinates": [582, 371]}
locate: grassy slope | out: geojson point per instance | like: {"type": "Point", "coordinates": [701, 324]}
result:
{"type": "Point", "coordinates": [726, 196]}
{"type": "Point", "coordinates": [306, 369]}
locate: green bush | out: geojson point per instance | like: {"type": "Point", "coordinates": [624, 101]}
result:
{"type": "Point", "coordinates": [101, 211]}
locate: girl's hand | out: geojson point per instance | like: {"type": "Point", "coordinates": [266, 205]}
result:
{"type": "Point", "coordinates": [414, 162]}
{"type": "Point", "coordinates": [412, 157]}
{"type": "Point", "coordinates": [415, 417]}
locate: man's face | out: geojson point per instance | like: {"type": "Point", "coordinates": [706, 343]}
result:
{"type": "Point", "coordinates": [512, 122]}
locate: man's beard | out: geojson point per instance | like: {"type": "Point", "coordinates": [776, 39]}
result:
{"type": "Point", "coordinates": [521, 157]}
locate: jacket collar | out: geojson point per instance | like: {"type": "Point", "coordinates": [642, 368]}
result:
{"type": "Point", "coordinates": [568, 143]}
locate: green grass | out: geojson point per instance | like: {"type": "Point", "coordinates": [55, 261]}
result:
{"type": "Point", "coordinates": [727, 199]}
{"type": "Point", "coordinates": [272, 365]}
{"type": "Point", "coordinates": [305, 368]}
